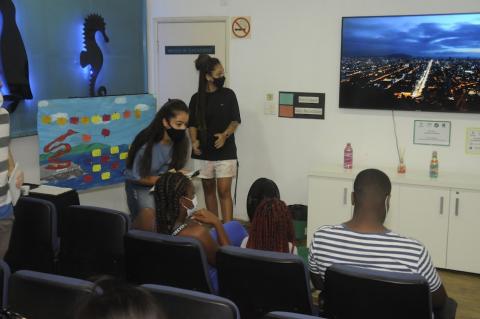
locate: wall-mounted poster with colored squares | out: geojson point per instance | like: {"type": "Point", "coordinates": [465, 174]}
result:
{"type": "Point", "coordinates": [84, 141]}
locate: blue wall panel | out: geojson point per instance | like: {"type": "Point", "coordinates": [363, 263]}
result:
{"type": "Point", "coordinates": [52, 34]}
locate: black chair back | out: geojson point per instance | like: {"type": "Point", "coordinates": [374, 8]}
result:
{"type": "Point", "coordinates": [4, 276]}
{"type": "Point", "coordinates": [44, 296]}
{"type": "Point", "coordinates": [259, 282]}
{"type": "Point", "coordinates": [354, 292]}
{"type": "Point", "coordinates": [179, 303]}
{"type": "Point", "coordinates": [92, 242]}
{"type": "Point", "coordinates": [288, 315]}
{"type": "Point", "coordinates": [175, 261]}
{"type": "Point", "coordinates": [34, 242]}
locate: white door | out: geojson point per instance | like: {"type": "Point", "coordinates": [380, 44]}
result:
{"type": "Point", "coordinates": [329, 202]}
{"type": "Point", "coordinates": [176, 76]}
{"type": "Point", "coordinates": [423, 215]}
{"type": "Point", "coordinates": [463, 235]}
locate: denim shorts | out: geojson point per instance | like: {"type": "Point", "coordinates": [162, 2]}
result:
{"type": "Point", "coordinates": [138, 198]}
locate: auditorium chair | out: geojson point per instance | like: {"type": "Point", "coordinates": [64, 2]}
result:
{"type": "Point", "coordinates": [179, 303]}
{"type": "Point", "coordinates": [4, 276]}
{"type": "Point", "coordinates": [259, 281]}
{"type": "Point", "coordinates": [37, 295]}
{"type": "Point", "coordinates": [177, 261]}
{"type": "Point", "coordinates": [354, 292]}
{"type": "Point", "coordinates": [92, 242]}
{"type": "Point", "coordinates": [34, 243]}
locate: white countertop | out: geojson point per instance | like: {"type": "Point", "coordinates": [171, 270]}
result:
{"type": "Point", "coordinates": [411, 177]}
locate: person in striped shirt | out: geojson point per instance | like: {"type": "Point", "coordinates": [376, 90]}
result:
{"type": "Point", "coordinates": [365, 242]}
{"type": "Point", "coordinates": [6, 167]}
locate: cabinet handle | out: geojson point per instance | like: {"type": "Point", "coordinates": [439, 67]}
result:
{"type": "Point", "coordinates": [457, 202]}
{"type": "Point", "coordinates": [345, 196]}
{"type": "Point", "coordinates": [441, 205]}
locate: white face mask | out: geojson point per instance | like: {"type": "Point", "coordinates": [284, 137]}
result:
{"type": "Point", "coordinates": [194, 201]}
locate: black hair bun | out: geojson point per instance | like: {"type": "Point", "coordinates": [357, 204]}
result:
{"type": "Point", "coordinates": [201, 62]}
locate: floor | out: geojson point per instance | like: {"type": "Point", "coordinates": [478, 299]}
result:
{"type": "Point", "coordinates": [465, 289]}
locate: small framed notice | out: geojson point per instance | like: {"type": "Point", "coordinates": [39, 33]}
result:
{"type": "Point", "coordinates": [472, 142]}
{"type": "Point", "coordinates": [432, 132]}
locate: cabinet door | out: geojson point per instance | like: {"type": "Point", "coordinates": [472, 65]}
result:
{"type": "Point", "coordinates": [463, 235]}
{"type": "Point", "coordinates": [329, 202]}
{"type": "Point", "coordinates": [423, 215]}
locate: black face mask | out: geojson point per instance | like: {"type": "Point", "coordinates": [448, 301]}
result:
{"type": "Point", "coordinates": [176, 135]}
{"type": "Point", "coordinates": [219, 82]}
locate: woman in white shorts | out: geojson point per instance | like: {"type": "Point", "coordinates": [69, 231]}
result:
{"type": "Point", "coordinates": [214, 117]}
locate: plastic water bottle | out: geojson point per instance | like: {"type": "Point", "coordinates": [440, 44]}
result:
{"type": "Point", "coordinates": [348, 156]}
{"type": "Point", "coordinates": [434, 165]}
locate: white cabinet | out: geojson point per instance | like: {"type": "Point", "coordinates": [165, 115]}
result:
{"type": "Point", "coordinates": [464, 231]}
{"type": "Point", "coordinates": [423, 215]}
{"type": "Point", "coordinates": [329, 202]}
{"type": "Point", "coordinates": [442, 213]}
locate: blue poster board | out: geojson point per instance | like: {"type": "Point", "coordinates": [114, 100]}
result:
{"type": "Point", "coordinates": [84, 142]}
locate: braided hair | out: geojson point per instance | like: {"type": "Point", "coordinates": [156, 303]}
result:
{"type": "Point", "coordinates": [272, 227]}
{"type": "Point", "coordinates": [169, 188]}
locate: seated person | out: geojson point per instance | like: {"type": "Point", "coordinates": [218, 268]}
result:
{"type": "Point", "coordinates": [115, 300]}
{"type": "Point", "coordinates": [364, 241]}
{"type": "Point", "coordinates": [177, 215]}
{"type": "Point", "coordinates": [272, 228]}
{"type": "Point", "coordinates": [262, 188]}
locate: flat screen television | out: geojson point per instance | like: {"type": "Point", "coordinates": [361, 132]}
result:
{"type": "Point", "coordinates": [416, 62]}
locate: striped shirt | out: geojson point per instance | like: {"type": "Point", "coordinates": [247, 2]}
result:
{"type": "Point", "coordinates": [382, 251]}
{"type": "Point", "coordinates": [4, 144]}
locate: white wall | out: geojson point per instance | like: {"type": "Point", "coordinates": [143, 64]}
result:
{"type": "Point", "coordinates": [295, 46]}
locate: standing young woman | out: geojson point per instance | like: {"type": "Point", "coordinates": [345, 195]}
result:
{"type": "Point", "coordinates": [159, 147]}
{"type": "Point", "coordinates": [214, 117]}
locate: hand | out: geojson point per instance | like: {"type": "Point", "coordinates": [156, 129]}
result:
{"type": "Point", "coordinates": [221, 138]}
{"type": "Point", "coordinates": [206, 217]}
{"type": "Point", "coordinates": [196, 147]}
{"type": "Point", "coordinates": [19, 181]}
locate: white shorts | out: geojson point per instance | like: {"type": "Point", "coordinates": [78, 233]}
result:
{"type": "Point", "coordinates": [217, 169]}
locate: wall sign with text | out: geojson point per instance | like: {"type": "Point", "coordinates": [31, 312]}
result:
{"type": "Point", "coordinates": [301, 105]}
{"type": "Point", "coordinates": [432, 133]}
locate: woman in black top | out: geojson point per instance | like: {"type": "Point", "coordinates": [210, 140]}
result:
{"type": "Point", "coordinates": [214, 117]}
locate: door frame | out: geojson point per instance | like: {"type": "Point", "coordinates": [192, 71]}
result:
{"type": "Point", "coordinates": [156, 51]}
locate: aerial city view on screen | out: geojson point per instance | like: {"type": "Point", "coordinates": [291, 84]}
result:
{"type": "Point", "coordinates": [428, 62]}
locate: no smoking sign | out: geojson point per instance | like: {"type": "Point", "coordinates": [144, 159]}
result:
{"type": "Point", "coordinates": [241, 27]}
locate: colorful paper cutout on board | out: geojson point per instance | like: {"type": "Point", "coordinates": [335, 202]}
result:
{"type": "Point", "coordinates": [84, 142]}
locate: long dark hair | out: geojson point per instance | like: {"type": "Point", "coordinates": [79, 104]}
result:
{"type": "Point", "coordinates": [113, 299]}
{"type": "Point", "coordinates": [154, 133]}
{"type": "Point", "coordinates": [205, 64]}
{"type": "Point", "coordinates": [272, 227]}
{"type": "Point", "coordinates": [168, 190]}
{"type": "Point", "coordinates": [262, 188]}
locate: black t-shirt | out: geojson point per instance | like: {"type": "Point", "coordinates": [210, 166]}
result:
{"type": "Point", "coordinates": [221, 110]}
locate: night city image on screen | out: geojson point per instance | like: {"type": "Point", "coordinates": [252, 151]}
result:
{"type": "Point", "coordinates": [428, 62]}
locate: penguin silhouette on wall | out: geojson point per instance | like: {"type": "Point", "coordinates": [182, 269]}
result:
{"type": "Point", "coordinates": [13, 58]}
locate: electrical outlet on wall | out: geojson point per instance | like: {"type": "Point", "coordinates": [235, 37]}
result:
{"type": "Point", "coordinates": [269, 104]}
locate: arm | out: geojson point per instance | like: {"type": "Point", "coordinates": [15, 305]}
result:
{"type": "Point", "coordinates": [203, 235]}
{"type": "Point", "coordinates": [206, 217]}
{"type": "Point", "coordinates": [147, 180]}
{"type": "Point", "coordinates": [11, 166]}
{"type": "Point", "coordinates": [316, 280]}
{"type": "Point", "coordinates": [194, 138]}
{"type": "Point", "coordinates": [222, 137]}
{"type": "Point", "coordinates": [439, 297]}
{"type": "Point", "coordinates": [145, 220]}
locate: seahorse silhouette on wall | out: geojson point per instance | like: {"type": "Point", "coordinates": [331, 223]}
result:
{"type": "Point", "coordinates": [92, 55]}
{"type": "Point", "coordinates": [13, 58]}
